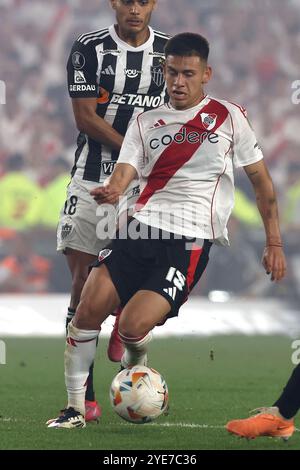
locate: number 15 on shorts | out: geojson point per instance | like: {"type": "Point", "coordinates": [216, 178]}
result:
{"type": "Point", "coordinates": [176, 277]}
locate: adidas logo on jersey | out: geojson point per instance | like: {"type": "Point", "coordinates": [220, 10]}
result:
{"type": "Point", "coordinates": [108, 71]}
{"type": "Point", "coordinates": [159, 123]}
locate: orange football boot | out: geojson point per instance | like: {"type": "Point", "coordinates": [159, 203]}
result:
{"type": "Point", "coordinates": [264, 423]}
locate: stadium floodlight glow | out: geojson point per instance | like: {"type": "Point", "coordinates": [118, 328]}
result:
{"type": "Point", "coordinates": [219, 296]}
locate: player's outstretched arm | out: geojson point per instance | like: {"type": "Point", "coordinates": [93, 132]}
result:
{"type": "Point", "coordinates": [273, 258]}
{"type": "Point", "coordinates": [115, 185]}
{"type": "Point", "coordinates": [88, 121]}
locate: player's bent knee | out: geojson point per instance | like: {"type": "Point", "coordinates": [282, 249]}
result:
{"type": "Point", "coordinates": [86, 315]}
{"type": "Point", "coordinates": [133, 329]}
{"type": "Point", "coordinates": [82, 317]}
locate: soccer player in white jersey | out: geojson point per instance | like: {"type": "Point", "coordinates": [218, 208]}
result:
{"type": "Point", "coordinates": [184, 154]}
{"type": "Point", "coordinates": [113, 75]}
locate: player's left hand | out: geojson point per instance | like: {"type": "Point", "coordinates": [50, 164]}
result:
{"type": "Point", "coordinates": [105, 194]}
{"type": "Point", "coordinates": [274, 262]}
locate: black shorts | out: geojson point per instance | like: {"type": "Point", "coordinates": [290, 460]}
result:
{"type": "Point", "coordinates": [166, 265]}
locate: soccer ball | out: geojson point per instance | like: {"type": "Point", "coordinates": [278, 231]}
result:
{"type": "Point", "coordinates": [139, 394]}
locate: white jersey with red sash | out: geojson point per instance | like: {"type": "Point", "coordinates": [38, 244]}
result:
{"type": "Point", "coordinates": [185, 161]}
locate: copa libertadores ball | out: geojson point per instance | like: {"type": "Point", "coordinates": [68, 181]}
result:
{"type": "Point", "coordinates": [139, 394]}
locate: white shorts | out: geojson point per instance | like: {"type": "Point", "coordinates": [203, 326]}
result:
{"type": "Point", "coordinates": [83, 224]}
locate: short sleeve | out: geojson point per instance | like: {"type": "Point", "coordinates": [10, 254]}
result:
{"type": "Point", "coordinates": [246, 148]}
{"type": "Point", "coordinates": [82, 71]}
{"type": "Point", "coordinates": [132, 150]}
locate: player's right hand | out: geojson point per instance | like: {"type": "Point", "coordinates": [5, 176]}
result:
{"type": "Point", "coordinates": [274, 262]}
{"type": "Point", "coordinates": [105, 194]}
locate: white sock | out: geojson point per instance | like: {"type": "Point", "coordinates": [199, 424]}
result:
{"type": "Point", "coordinates": [79, 354]}
{"type": "Point", "coordinates": [135, 350]}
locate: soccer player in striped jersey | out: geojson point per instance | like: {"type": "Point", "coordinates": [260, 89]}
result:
{"type": "Point", "coordinates": [113, 74]}
{"type": "Point", "coordinates": [184, 154]}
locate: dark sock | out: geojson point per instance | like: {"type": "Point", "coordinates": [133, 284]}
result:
{"type": "Point", "coordinates": [70, 315]}
{"type": "Point", "coordinates": [89, 393]}
{"type": "Point", "coordinates": [289, 401]}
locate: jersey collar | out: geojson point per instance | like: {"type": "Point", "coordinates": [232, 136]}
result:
{"type": "Point", "coordinates": [126, 46]}
{"type": "Point", "coordinates": [201, 103]}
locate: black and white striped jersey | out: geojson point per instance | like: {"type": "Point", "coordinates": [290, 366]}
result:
{"type": "Point", "coordinates": [126, 80]}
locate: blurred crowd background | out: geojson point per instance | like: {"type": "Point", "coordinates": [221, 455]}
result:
{"type": "Point", "coordinates": [255, 54]}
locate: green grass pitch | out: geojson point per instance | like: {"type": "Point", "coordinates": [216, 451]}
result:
{"type": "Point", "coordinates": [245, 373]}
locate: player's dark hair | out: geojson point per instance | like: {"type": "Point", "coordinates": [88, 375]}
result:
{"type": "Point", "coordinates": [188, 44]}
